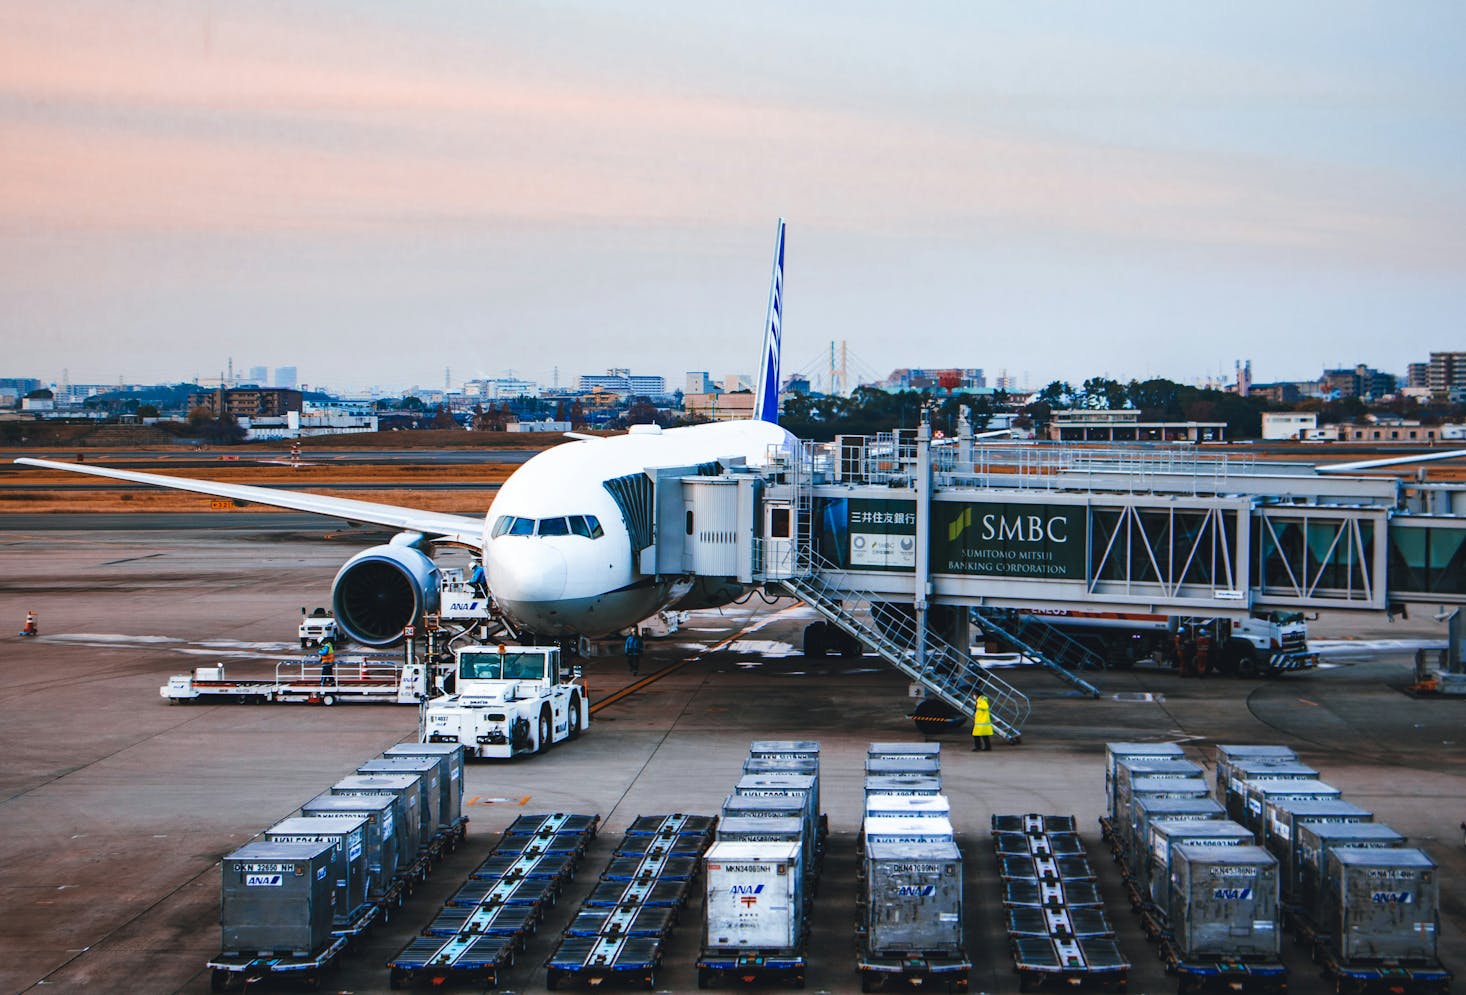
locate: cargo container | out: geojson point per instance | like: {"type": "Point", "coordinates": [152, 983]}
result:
{"type": "Point", "coordinates": [1164, 836]}
{"type": "Point", "coordinates": [784, 749]}
{"type": "Point", "coordinates": [802, 786]}
{"type": "Point", "coordinates": [1117, 752]}
{"type": "Point", "coordinates": [430, 797]}
{"type": "Point", "coordinates": [450, 776]}
{"type": "Point", "coordinates": [406, 792]}
{"type": "Point", "coordinates": [1259, 793]}
{"type": "Point", "coordinates": [1128, 770]}
{"type": "Point", "coordinates": [787, 765]}
{"type": "Point", "coordinates": [887, 829]}
{"type": "Point", "coordinates": [1144, 811]}
{"type": "Point", "coordinates": [751, 829]}
{"type": "Point", "coordinates": [1381, 905]}
{"type": "Point", "coordinates": [1233, 791]}
{"type": "Point", "coordinates": [347, 835]}
{"type": "Point", "coordinates": [1170, 787]}
{"type": "Point", "coordinates": [754, 923]}
{"type": "Point", "coordinates": [911, 916]}
{"type": "Point", "coordinates": [1224, 903]}
{"type": "Point", "coordinates": [912, 806]}
{"type": "Point", "coordinates": [903, 784]}
{"type": "Point", "coordinates": [928, 766]}
{"type": "Point", "coordinates": [776, 807]}
{"type": "Point", "coordinates": [1281, 818]}
{"type": "Point", "coordinates": [279, 898]}
{"type": "Point", "coordinates": [1228, 754]}
{"type": "Point", "coordinates": [1314, 841]}
{"type": "Point", "coordinates": [892, 751]}
{"type": "Point", "coordinates": [380, 834]}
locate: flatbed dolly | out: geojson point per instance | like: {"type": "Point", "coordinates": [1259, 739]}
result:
{"type": "Point", "coordinates": [1014, 868]}
{"type": "Point", "coordinates": [247, 969]}
{"type": "Point", "coordinates": [1395, 977]}
{"type": "Point", "coordinates": [478, 958]}
{"type": "Point", "coordinates": [553, 824]}
{"type": "Point", "coordinates": [555, 865]}
{"type": "Point", "coordinates": [365, 680]}
{"type": "Point", "coordinates": [1043, 961]}
{"type": "Point", "coordinates": [651, 866]}
{"type": "Point", "coordinates": [610, 894]}
{"type": "Point", "coordinates": [519, 891]}
{"type": "Point", "coordinates": [595, 960]}
{"type": "Point", "coordinates": [1038, 844]}
{"type": "Point", "coordinates": [674, 846]}
{"type": "Point", "coordinates": [753, 967]}
{"type": "Point", "coordinates": [1052, 894]}
{"type": "Point", "coordinates": [634, 920]}
{"type": "Point", "coordinates": [504, 920]}
{"type": "Point", "coordinates": [1222, 975]}
{"type": "Point", "coordinates": [1083, 923]}
{"type": "Point", "coordinates": [676, 824]}
{"type": "Point", "coordinates": [1035, 825]}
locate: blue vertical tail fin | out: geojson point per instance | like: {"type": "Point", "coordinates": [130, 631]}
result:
{"type": "Point", "coordinates": [766, 399]}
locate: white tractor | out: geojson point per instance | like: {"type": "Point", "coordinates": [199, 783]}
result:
{"type": "Point", "coordinates": [507, 700]}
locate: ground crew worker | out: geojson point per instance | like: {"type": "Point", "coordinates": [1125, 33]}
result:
{"type": "Point", "coordinates": [328, 663]}
{"type": "Point", "coordinates": [1186, 653]}
{"type": "Point", "coordinates": [29, 628]}
{"type": "Point", "coordinates": [633, 652]}
{"type": "Point", "coordinates": [1203, 652]}
{"type": "Point", "coordinates": [982, 725]}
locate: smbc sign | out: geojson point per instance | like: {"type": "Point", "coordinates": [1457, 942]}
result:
{"type": "Point", "coordinates": [1008, 539]}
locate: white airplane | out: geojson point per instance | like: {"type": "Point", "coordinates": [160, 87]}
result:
{"type": "Point", "coordinates": [560, 544]}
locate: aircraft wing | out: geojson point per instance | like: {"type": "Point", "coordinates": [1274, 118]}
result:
{"type": "Point", "coordinates": [459, 528]}
{"type": "Point", "coordinates": [1380, 464]}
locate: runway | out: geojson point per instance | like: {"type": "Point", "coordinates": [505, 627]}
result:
{"type": "Point", "coordinates": [115, 807]}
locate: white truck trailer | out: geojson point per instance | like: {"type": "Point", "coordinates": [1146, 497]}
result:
{"type": "Point", "coordinates": [507, 700]}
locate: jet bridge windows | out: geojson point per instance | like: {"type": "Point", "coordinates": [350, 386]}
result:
{"type": "Point", "coordinates": [586, 526]}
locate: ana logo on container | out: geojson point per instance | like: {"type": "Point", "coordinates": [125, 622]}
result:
{"type": "Point", "coordinates": [1392, 897]}
{"type": "Point", "coordinates": [746, 893]}
{"type": "Point", "coordinates": [264, 880]}
{"type": "Point", "coordinates": [916, 890]}
{"type": "Point", "coordinates": [1231, 894]}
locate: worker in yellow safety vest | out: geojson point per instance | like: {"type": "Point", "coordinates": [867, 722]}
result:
{"type": "Point", "coordinates": [982, 725]}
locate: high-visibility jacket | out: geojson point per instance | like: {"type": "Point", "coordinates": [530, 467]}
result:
{"type": "Point", "coordinates": [982, 722]}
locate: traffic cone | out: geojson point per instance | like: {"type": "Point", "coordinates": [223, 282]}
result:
{"type": "Point", "coordinates": [29, 629]}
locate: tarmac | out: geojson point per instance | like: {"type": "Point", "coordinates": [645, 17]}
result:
{"type": "Point", "coordinates": [115, 807]}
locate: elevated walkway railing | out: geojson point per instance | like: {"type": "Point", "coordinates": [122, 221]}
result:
{"type": "Point", "coordinates": [948, 672]}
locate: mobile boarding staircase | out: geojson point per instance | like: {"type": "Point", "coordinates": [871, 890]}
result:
{"type": "Point", "coordinates": [946, 671]}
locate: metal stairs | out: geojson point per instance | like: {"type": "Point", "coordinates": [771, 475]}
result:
{"type": "Point", "coordinates": [1045, 643]}
{"type": "Point", "coordinates": [949, 673]}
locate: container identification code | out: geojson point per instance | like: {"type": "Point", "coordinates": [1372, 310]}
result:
{"type": "Point", "coordinates": [267, 868]}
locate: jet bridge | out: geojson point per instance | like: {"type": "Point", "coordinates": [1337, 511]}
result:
{"type": "Point", "coordinates": [898, 539]}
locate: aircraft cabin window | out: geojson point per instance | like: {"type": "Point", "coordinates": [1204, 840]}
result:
{"type": "Point", "coordinates": [521, 527]}
{"type": "Point", "coordinates": [554, 527]}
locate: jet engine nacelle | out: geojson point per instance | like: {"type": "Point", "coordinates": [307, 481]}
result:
{"type": "Point", "coordinates": [382, 590]}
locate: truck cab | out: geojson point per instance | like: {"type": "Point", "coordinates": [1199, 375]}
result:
{"type": "Point", "coordinates": [317, 627]}
{"type": "Point", "coordinates": [507, 700]}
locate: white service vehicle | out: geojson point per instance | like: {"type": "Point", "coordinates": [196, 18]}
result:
{"type": "Point", "coordinates": [507, 700]}
{"type": "Point", "coordinates": [317, 627]}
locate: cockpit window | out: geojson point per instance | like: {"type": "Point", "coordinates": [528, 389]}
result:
{"type": "Point", "coordinates": [521, 527]}
{"type": "Point", "coordinates": [580, 525]}
{"type": "Point", "coordinates": [501, 525]}
{"type": "Point", "coordinates": [595, 526]}
{"type": "Point", "coordinates": [554, 527]}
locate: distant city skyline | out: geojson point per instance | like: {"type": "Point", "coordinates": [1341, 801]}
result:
{"type": "Point", "coordinates": [375, 191]}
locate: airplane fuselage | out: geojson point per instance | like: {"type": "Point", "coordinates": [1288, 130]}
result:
{"type": "Point", "coordinates": [557, 551]}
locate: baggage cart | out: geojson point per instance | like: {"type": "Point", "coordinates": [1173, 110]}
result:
{"type": "Point", "coordinates": [676, 846]}
{"type": "Point", "coordinates": [1080, 922]}
{"type": "Point", "coordinates": [1048, 845]}
{"type": "Point", "coordinates": [1052, 894]}
{"type": "Point", "coordinates": [553, 824]}
{"type": "Point", "coordinates": [503, 919]}
{"type": "Point", "coordinates": [557, 866]}
{"type": "Point", "coordinates": [519, 891]}
{"type": "Point", "coordinates": [1035, 825]}
{"type": "Point", "coordinates": [631, 920]}
{"type": "Point", "coordinates": [1048, 961]}
{"type": "Point", "coordinates": [677, 824]}
{"type": "Point", "coordinates": [476, 958]}
{"type": "Point", "coordinates": [594, 960]}
{"type": "Point", "coordinates": [230, 971]}
{"type": "Point", "coordinates": [1028, 868]}
{"type": "Point", "coordinates": [610, 894]}
{"type": "Point", "coordinates": [651, 866]}
{"type": "Point", "coordinates": [1243, 974]}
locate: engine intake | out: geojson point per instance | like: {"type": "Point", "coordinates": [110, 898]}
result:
{"type": "Point", "coordinates": [382, 590]}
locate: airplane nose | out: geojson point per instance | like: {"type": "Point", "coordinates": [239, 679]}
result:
{"type": "Point", "coordinates": [523, 570]}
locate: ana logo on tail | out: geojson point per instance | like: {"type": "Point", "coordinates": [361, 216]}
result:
{"type": "Point", "coordinates": [766, 401]}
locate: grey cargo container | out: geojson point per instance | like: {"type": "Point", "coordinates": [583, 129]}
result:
{"type": "Point", "coordinates": [1281, 818]}
{"type": "Point", "coordinates": [903, 765]}
{"type": "Point", "coordinates": [916, 806]}
{"type": "Point", "coordinates": [347, 833]}
{"type": "Point", "coordinates": [775, 807]}
{"type": "Point", "coordinates": [1259, 793]}
{"type": "Point", "coordinates": [425, 768]}
{"type": "Point", "coordinates": [903, 784]}
{"type": "Point", "coordinates": [1143, 811]}
{"type": "Point", "coordinates": [1224, 902]}
{"type": "Point", "coordinates": [786, 765]}
{"type": "Point", "coordinates": [806, 785]}
{"type": "Point", "coordinates": [1116, 752]}
{"type": "Point", "coordinates": [745, 829]}
{"type": "Point", "coordinates": [1382, 905]}
{"type": "Point", "coordinates": [766, 872]}
{"type": "Point", "coordinates": [913, 899]}
{"type": "Point", "coordinates": [379, 811]}
{"type": "Point", "coordinates": [784, 749]}
{"type": "Point", "coordinates": [1167, 834]}
{"type": "Point", "coordinates": [1128, 770]}
{"type": "Point", "coordinates": [406, 792]}
{"type": "Point", "coordinates": [1228, 754]}
{"type": "Point", "coordinates": [1234, 788]}
{"type": "Point", "coordinates": [278, 898]}
{"type": "Point", "coordinates": [450, 773]}
{"type": "Point", "coordinates": [1316, 839]}
{"type": "Point", "coordinates": [896, 750]}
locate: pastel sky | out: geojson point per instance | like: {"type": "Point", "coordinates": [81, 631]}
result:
{"type": "Point", "coordinates": [374, 191]}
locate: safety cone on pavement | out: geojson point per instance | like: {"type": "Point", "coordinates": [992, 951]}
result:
{"type": "Point", "coordinates": [29, 629]}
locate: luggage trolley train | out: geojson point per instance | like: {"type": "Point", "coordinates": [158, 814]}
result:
{"type": "Point", "coordinates": [619, 933]}
{"type": "Point", "coordinates": [296, 900]}
{"type": "Point", "coordinates": [485, 924]}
